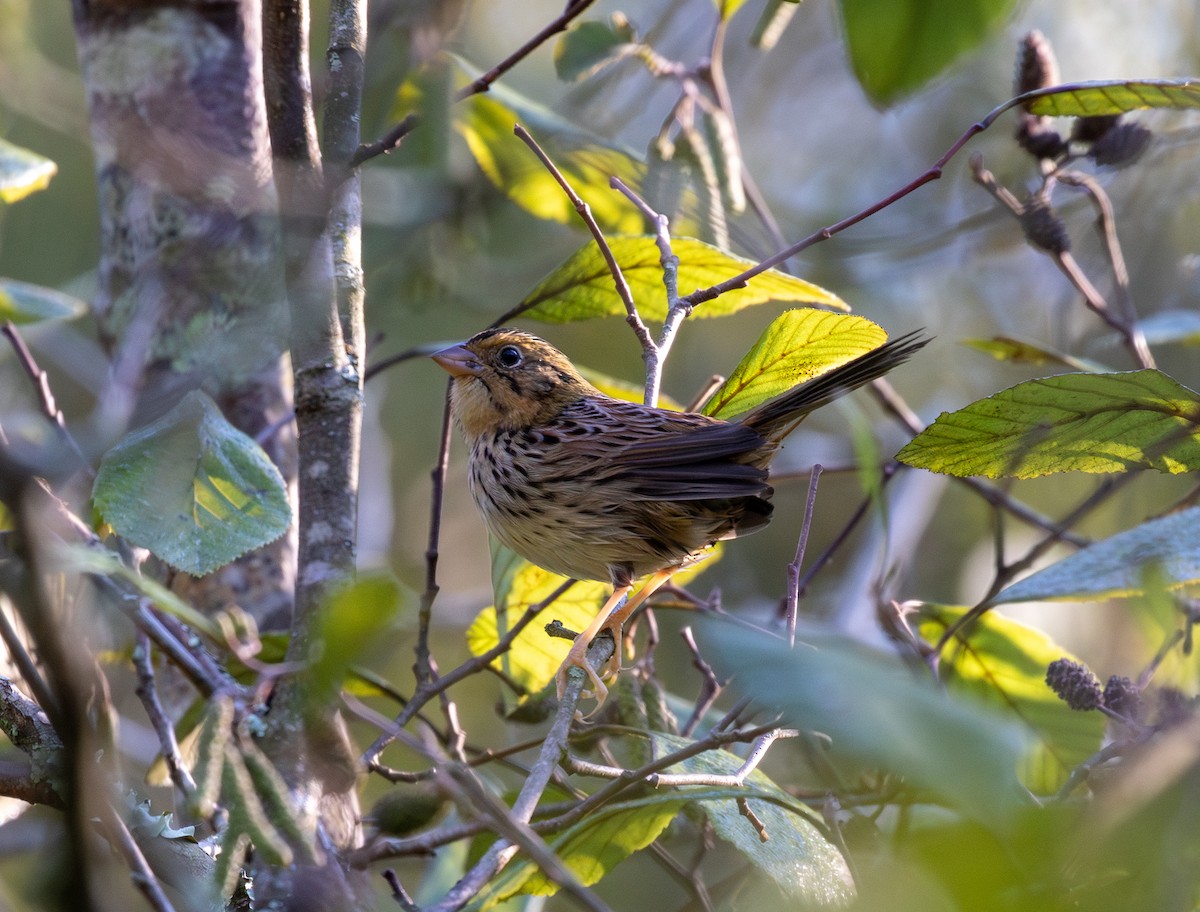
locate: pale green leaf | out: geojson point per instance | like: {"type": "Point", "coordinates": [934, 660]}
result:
{"type": "Point", "coordinates": [1117, 566]}
{"type": "Point", "coordinates": [797, 346]}
{"type": "Point", "coordinates": [1003, 663]}
{"type": "Point", "coordinates": [1091, 99]}
{"type": "Point", "coordinates": [805, 866]}
{"type": "Point", "coordinates": [191, 488]}
{"type": "Point", "coordinates": [1072, 422]}
{"type": "Point", "coordinates": [897, 46]}
{"type": "Point", "coordinates": [22, 302]}
{"type": "Point", "coordinates": [22, 172]}
{"type": "Point", "coordinates": [880, 713]}
{"type": "Point", "coordinates": [582, 287]}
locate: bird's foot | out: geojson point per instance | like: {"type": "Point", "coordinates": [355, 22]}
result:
{"type": "Point", "coordinates": [577, 658]}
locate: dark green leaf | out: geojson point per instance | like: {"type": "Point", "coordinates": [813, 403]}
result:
{"type": "Point", "coordinates": [797, 346]}
{"type": "Point", "coordinates": [796, 856]}
{"type": "Point", "coordinates": [1090, 99]}
{"type": "Point", "coordinates": [582, 287]}
{"type": "Point", "coordinates": [1003, 663]}
{"type": "Point", "coordinates": [22, 172]}
{"type": "Point", "coordinates": [25, 303]}
{"type": "Point", "coordinates": [1072, 422]}
{"type": "Point", "coordinates": [896, 46]}
{"type": "Point", "coordinates": [1117, 565]}
{"type": "Point", "coordinates": [880, 713]}
{"type": "Point", "coordinates": [193, 489]}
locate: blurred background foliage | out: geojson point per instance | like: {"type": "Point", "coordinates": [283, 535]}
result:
{"type": "Point", "coordinates": [446, 252]}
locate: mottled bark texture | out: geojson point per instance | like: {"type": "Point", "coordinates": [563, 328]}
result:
{"type": "Point", "coordinates": [191, 292]}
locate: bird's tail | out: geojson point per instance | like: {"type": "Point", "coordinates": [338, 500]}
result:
{"type": "Point", "coordinates": [776, 418]}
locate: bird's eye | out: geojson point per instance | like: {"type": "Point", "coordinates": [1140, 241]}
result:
{"type": "Point", "coordinates": [510, 356]}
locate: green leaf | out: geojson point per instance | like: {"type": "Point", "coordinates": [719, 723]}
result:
{"type": "Point", "coordinates": [582, 287]}
{"type": "Point", "coordinates": [805, 866]}
{"type": "Point", "coordinates": [356, 618]}
{"type": "Point", "coordinates": [1090, 99]}
{"type": "Point", "coordinates": [22, 303]}
{"type": "Point", "coordinates": [1072, 422]}
{"type": "Point", "coordinates": [192, 488]}
{"type": "Point", "coordinates": [1003, 663]}
{"type": "Point", "coordinates": [896, 46]}
{"type": "Point", "coordinates": [881, 713]}
{"type": "Point", "coordinates": [588, 47]}
{"type": "Point", "coordinates": [1006, 348]}
{"type": "Point", "coordinates": [587, 161]}
{"type": "Point", "coordinates": [797, 346]}
{"type": "Point", "coordinates": [590, 849]}
{"type": "Point", "coordinates": [1116, 566]}
{"type": "Point", "coordinates": [22, 172]}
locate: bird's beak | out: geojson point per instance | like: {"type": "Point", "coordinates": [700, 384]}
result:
{"type": "Point", "coordinates": [458, 361]}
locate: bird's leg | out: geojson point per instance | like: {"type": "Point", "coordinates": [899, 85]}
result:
{"type": "Point", "coordinates": [611, 617]}
{"type": "Point", "coordinates": [577, 657]}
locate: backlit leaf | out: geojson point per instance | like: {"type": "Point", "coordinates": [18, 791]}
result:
{"type": "Point", "coordinates": [1003, 663]}
{"type": "Point", "coordinates": [1072, 422]}
{"type": "Point", "coordinates": [1117, 565]}
{"type": "Point", "coordinates": [1006, 348]}
{"type": "Point", "coordinates": [589, 46]}
{"type": "Point", "coordinates": [355, 618]}
{"type": "Point", "coordinates": [1090, 99]}
{"type": "Point", "coordinates": [797, 346]}
{"type": "Point", "coordinates": [582, 287]}
{"type": "Point", "coordinates": [192, 488]}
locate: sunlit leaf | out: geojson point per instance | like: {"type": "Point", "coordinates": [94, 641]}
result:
{"type": "Point", "coordinates": [1090, 99]}
{"type": "Point", "coordinates": [535, 657]}
{"type": "Point", "coordinates": [588, 47]}
{"type": "Point", "coordinates": [22, 172]}
{"type": "Point", "coordinates": [1003, 663]}
{"type": "Point", "coordinates": [582, 287]}
{"type": "Point", "coordinates": [1117, 565]}
{"type": "Point", "coordinates": [486, 122]}
{"type": "Point", "coordinates": [805, 866]}
{"type": "Point", "coordinates": [622, 389]}
{"type": "Point", "coordinates": [22, 302]}
{"type": "Point", "coordinates": [879, 713]}
{"type": "Point", "coordinates": [797, 346]}
{"type": "Point", "coordinates": [191, 488]}
{"type": "Point", "coordinates": [1072, 422]}
{"type": "Point", "coordinates": [897, 46]}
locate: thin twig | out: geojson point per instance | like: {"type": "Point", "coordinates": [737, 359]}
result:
{"type": "Point", "coordinates": [147, 691]}
{"type": "Point", "coordinates": [140, 871]}
{"type": "Point", "coordinates": [425, 611]}
{"type": "Point", "coordinates": [709, 691]}
{"type": "Point", "coordinates": [793, 568]}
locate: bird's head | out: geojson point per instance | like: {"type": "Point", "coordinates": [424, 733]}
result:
{"type": "Point", "coordinates": [508, 379]}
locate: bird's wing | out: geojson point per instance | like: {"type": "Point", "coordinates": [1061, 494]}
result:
{"type": "Point", "coordinates": [662, 455]}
